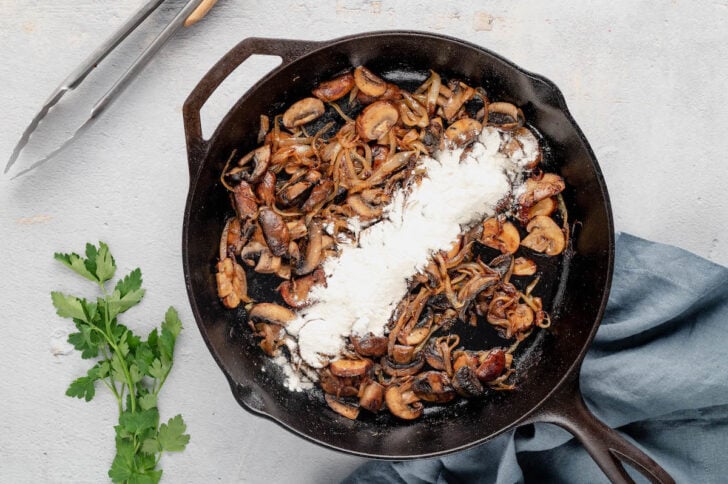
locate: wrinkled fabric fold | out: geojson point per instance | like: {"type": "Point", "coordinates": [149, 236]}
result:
{"type": "Point", "coordinates": [657, 371]}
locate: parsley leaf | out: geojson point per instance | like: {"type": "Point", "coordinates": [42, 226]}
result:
{"type": "Point", "coordinates": [172, 435]}
{"type": "Point", "coordinates": [133, 369]}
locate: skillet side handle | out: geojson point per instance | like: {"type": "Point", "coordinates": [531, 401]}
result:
{"type": "Point", "coordinates": [287, 50]}
{"type": "Point", "coordinates": [605, 445]}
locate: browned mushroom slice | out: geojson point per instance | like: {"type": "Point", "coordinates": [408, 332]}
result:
{"type": "Point", "coordinates": [272, 337]}
{"type": "Point", "coordinates": [296, 229]}
{"type": "Point", "coordinates": [524, 267]}
{"type": "Point", "coordinates": [333, 385]}
{"type": "Point", "coordinates": [402, 354]}
{"type": "Point", "coordinates": [537, 189]}
{"type": "Point", "coordinates": [271, 313]}
{"type": "Point", "coordinates": [302, 112]}
{"type": "Point", "coordinates": [520, 319]}
{"type": "Point", "coordinates": [505, 115]}
{"type": "Point", "coordinates": [294, 194]}
{"type": "Point", "coordinates": [266, 189]}
{"type": "Point", "coordinates": [295, 293]}
{"type": "Point", "coordinates": [524, 149]}
{"type": "Point", "coordinates": [372, 396]}
{"type": "Point", "coordinates": [368, 82]}
{"type": "Point", "coordinates": [544, 236]}
{"type": "Point", "coordinates": [463, 131]}
{"type": "Point", "coordinates": [464, 358]}
{"type": "Point", "coordinates": [376, 120]}
{"type": "Point", "coordinates": [546, 207]}
{"type": "Point", "coordinates": [246, 205]}
{"type": "Point", "coordinates": [232, 286]}
{"type": "Point", "coordinates": [275, 231]}
{"type": "Point", "coordinates": [433, 386]}
{"type": "Point", "coordinates": [492, 365]}
{"type": "Point", "coordinates": [466, 383]}
{"type": "Point", "coordinates": [319, 195]}
{"type": "Point", "coordinates": [261, 158]}
{"type": "Point", "coordinates": [346, 409]}
{"type": "Point", "coordinates": [349, 368]}
{"type": "Point", "coordinates": [392, 368]}
{"type": "Point", "coordinates": [432, 135]}
{"type": "Point", "coordinates": [402, 401]}
{"type": "Point", "coordinates": [334, 89]}
{"type": "Point", "coordinates": [499, 235]}
{"type": "Point", "coordinates": [267, 263]}
{"type": "Point", "coordinates": [314, 250]}
{"type": "Point", "coordinates": [369, 345]}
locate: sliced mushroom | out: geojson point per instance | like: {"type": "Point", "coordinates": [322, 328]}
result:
{"type": "Point", "coordinates": [432, 135]}
{"type": "Point", "coordinates": [271, 313]}
{"type": "Point", "coordinates": [402, 354]}
{"type": "Point", "coordinates": [232, 286]}
{"type": "Point", "coordinates": [294, 194]}
{"type": "Point", "coordinates": [295, 292]}
{"type": "Point", "coordinates": [266, 189]}
{"type": "Point", "coordinates": [376, 120]}
{"type": "Point", "coordinates": [261, 158]}
{"type": "Point", "coordinates": [402, 401]}
{"type": "Point", "coordinates": [524, 149]}
{"type": "Point", "coordinates": [524, 267]}
{"type": "Point", "coordinates": [433, 386]}
{"type": "Point", "coordinates": [466, 383]}
{"type": "Point", "coordinates": [333, 385]}
{"type": "Point", "coordinates": [392, 368]}
{"type": "Point", "coordinates": [272, 337]}
{"type": "Point", "coordinates": [335, 88]}
{"type": "Point", "coordinates": [275, 231]}
{"type": "Point", "coordinates": [463, 131]}
{"type": "Point", "coordinates": [349, 368]}
{"type": "Point", "coordinates": [546, 207]}
{"type": "Point", "coordinates": [245, 204]}
{"type": "Point", "coordinates": [505, 115]}
{"type": "Point", "coordinates": [267, 263]}
{"type": "Point", "coordinates": [296, 229]}
{"type": "Point", "coordinates": [302, 112]}
{"type": "Point", "coordinates": [371, 396]}
{"type": "Point", "coordinates": [369, 345]}
{"type": "Point", "coordinates": [499, 235]}
{"type": "Point", "coordinates": [346, 409]}
{"type": "Point", "coordinates": [314, 250]}
{"type": "Point", "coordinates": [520, 319]}
{"type": "Point", "coordinates": [320, 193]}
{"type": "Point", "coordinates": [368, 82]}
{"type": "Point", "coordinates": [544, 236]}
{"type": "Point", "coordinates": [537, 189]}
{"type": "Point", "coordinates": [492, 365]}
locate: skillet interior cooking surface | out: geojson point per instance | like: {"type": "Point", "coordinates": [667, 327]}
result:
{"type": "Point", "coordinates": [574, 291]}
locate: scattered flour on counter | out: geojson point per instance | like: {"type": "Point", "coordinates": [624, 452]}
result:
{"type": "Point", "coordinates": [367, 281]}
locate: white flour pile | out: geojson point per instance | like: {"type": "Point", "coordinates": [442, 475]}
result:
{"type": "Point", "coordinates": [367, 281]}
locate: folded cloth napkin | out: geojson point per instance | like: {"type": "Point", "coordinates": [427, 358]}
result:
{"type": "Point", "coordinates": [657, 371]}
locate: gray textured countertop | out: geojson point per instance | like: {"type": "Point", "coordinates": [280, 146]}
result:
{"type": "Point", "coordinates": [646, 81]}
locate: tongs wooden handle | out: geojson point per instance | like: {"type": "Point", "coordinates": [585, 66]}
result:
{"type": "Point", "coordinates": [200, 12]}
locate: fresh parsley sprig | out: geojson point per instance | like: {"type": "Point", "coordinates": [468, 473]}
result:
{"type": "Point", "coordinates": [134, 370]}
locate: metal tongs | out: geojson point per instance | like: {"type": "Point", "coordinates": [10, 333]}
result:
{"type": "Point", "coordinates": [192, 12]}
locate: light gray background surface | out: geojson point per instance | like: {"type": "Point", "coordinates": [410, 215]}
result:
{"type": "Point", "coordinates": [646, 81]}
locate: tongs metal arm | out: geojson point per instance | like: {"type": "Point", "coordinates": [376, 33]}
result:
{"type": "Point", "coordinates": [192, 12]}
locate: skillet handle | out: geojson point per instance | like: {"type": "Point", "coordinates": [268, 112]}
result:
{"type": "Point", "coordinates": [287, 50]}
{"type": "Point", "coordinates": [606, 446]}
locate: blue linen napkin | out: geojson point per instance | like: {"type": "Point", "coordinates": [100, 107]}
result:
{"type": "Point", "coordinates": [657, 371]}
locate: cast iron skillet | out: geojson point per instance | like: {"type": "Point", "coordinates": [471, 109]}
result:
{"type": "Point", "coordinates": [548, 386]}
